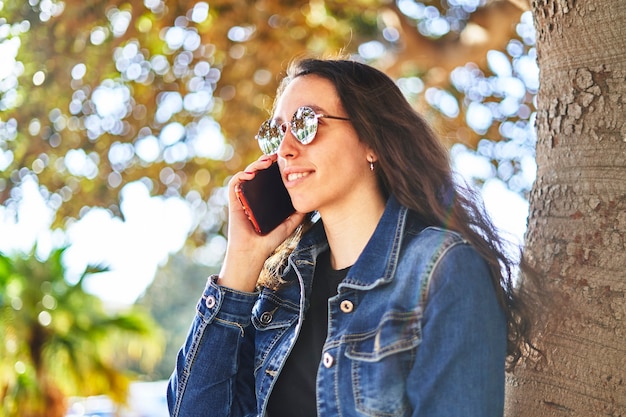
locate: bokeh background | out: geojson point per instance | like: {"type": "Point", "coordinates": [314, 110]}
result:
{"type": "Point", "coordinates": [121, 122]}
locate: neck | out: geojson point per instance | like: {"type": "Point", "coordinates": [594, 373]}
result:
{"type": "Point", "coordinates": [349, 229]}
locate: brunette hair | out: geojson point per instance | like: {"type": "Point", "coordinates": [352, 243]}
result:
{"type": "Point", "coordinates": [414, 167]}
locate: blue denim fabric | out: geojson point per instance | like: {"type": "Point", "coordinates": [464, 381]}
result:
{"type": "Point", "coordinates": [388, 352]}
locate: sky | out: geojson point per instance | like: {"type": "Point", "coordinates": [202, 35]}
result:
{"type": "Point", "coordinates": [152, 229]}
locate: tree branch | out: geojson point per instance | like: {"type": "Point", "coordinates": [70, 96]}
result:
{"type": "Point", "coordinates": [490, 27]}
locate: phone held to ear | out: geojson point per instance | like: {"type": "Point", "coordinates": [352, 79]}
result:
{"type": "Point", "coordinates": [265, 199]}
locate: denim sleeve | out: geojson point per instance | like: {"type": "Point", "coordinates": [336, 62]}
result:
{"type": "Point", "coordinates": [214, 368]}
{"type": "Point", "coordinates": [459, 366]}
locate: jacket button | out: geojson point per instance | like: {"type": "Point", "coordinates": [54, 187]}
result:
{"type": "Point", "coordinates": [210, 301]}
{"type": "Point", "coordinates": [328, 360]}
{"type": "Point", "coordinates": [266, 318]}
{"type": "Point", "coordinates": [346, 306]}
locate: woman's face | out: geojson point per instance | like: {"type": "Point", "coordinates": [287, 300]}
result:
{"type": "Point", "coordinates": [332, 172]}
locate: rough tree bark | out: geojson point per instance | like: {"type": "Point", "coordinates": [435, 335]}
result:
{"type": "Point", "coordinates": [577, 223]}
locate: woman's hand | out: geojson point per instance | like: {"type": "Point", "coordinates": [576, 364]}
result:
{"type": "Point", "coordinates": [247, 251]}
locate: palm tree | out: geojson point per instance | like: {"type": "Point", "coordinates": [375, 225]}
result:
{"type": "Point", "coordinates": [57, 340]}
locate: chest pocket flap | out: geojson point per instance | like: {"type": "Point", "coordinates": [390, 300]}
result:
{"type": "Point", "coordinates": [396, 332]}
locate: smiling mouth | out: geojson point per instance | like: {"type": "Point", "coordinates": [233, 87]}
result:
{"type": "Point", "coordinates": [296, 176]}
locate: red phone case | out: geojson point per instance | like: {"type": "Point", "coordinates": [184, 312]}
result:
{"type": "Point", "coordinates": [265, 199]}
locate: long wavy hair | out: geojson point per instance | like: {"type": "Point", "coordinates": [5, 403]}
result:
{"type": "Point", "coordinates": [414, 166]}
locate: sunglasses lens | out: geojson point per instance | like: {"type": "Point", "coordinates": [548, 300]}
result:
{"type": "Point", "coordinates": [304, 125]}
{"type": "Point", "coordinates": [270, 135]}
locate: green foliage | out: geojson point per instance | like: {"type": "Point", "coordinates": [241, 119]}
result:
{"type": "Point", "coordinates": [171, 299]}
{"type": "Point", "coordinates": [58, 340]}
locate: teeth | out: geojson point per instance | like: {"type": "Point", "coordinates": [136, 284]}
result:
{"type": "Point", "coordinates": [296, 175]}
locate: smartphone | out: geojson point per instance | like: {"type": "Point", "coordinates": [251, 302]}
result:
{"type": "Point", "coordinates": [265, 199]}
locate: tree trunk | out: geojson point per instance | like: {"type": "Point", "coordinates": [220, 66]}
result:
{"type": "Point", "coordinates": [577, 223]}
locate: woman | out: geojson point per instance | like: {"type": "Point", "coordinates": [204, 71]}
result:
{"type": "Point", "coordinates": [394, 299]}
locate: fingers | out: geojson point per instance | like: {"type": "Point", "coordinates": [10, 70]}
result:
{"type": "Point", "coordinates": [262, 163]}
{"type": "Point", "coordinates": [249, 172]}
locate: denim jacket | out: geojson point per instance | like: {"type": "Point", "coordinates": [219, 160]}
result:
{"type": "Point", "coordinates": [389, 351]}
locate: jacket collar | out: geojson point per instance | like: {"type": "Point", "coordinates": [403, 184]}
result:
{"type": "Point", "coordinates": [377, 263]}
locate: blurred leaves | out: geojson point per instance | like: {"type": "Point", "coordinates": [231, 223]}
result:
{"type": "Point", "coordinates": [97, 94]}
{"type": "Point", "coordinates": [57, 340]}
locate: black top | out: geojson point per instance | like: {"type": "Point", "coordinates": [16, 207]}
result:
{"type": "Point", "coordinates": [294, 392]}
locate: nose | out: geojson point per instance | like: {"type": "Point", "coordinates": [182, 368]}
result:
{"type": "Point", "coordinates": [288, 148]}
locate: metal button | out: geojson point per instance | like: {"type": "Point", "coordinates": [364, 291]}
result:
{"type": "Point", "coordinates": [210, 301]}
{"type": "Point", "coordinates": [328, 360]}
{"type": "Point", "coordinates": [346, 306]}
{"type": "Point", "coordinates": [266, 318]}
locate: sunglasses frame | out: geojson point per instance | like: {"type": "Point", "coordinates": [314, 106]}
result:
{"type": "Point", "coordinates": [269, 146]}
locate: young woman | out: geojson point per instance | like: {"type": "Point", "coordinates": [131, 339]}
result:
{"type": "Point", "coordinates": [387, 293]}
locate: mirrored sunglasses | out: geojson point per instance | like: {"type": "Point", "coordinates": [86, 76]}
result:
{"type": "Point", "coordinates": [303, 126]}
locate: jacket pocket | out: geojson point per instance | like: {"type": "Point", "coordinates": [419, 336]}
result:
{"type": "Point", "coordinates": [381, 360]}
